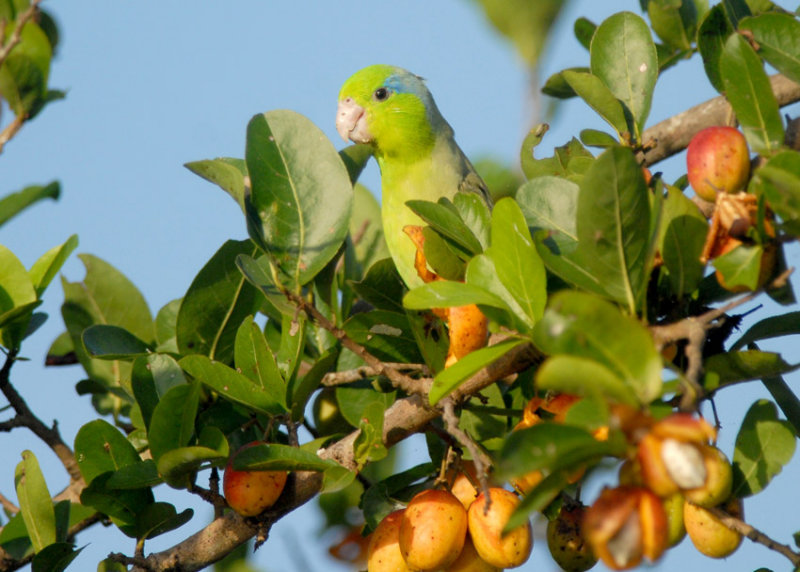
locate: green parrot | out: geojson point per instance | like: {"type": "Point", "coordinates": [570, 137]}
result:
{"type": "Point", "coordinates": [392, 110]}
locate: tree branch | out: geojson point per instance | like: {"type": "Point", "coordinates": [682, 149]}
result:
{"type": "Point", "coordinates": [26, 418]}
{"type": "Point", "coordinates": [16, 34]}
{"type": "Point", "coordinates": [740, 526]}
{"type": "Point", "coordinates": [335, 378]}
{"type": "Point", "coordinates": [405, 417]}
{"type": "Point", "coordinates": [672, 135]}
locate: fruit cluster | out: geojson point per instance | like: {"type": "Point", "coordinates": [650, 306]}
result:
{"type": "Point", "coordinates": [440, 531]}
{"type": "Point", "coordinates": [718, 164]}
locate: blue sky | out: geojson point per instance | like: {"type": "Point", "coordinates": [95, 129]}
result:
{"type": "Point", "coordinates": [152, 86]}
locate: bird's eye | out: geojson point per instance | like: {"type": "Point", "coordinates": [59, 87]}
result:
{"type": "Point", "coordinates": [380, 94]}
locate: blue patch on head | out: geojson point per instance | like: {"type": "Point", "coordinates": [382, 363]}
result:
{"type": "Point", "coordinates": [407, 83]}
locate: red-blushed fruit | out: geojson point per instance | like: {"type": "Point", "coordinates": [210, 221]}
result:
{"type": "Point", "coordinates": [470, 561]}
{"type": "Point", "coordinates": [486, 530]}
{"type": "Point", "coordinates": [708, 534]}
{"type": "Point", "coordinates": [251, 492]}
{"type": "Point", "coordinates": [433, 530]}
{"type": "Point", "coordinates": [718, 160]}
{"type": "Point", "coordinates": [383, 552]}
{"type": "Point", "coordinates": [566, 543]}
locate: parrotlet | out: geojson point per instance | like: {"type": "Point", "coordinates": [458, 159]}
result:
{"type": "Point", "coordinates": [391, 109]}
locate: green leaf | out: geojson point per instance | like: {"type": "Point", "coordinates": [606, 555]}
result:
{"type": "Point", "coordinates": [683, 232]}
{"type": "Point", "coordinates": [549, 205]}
{"type": "Point", "coordinates": [749, 92]}
{"type": "Point", "coordinates": [255, 360]}
{"type": "Point", "coordinates": [584, 29]}
{"type": "Point", "coordinates": [34, 502]}
{"type": "Point", "coordinates": [143, 474]}
{"type": "Point", "coordinates": [526, 24]}
{"type": "Point", "coordinates": [256, 271]}
{"type": "Point", "coordinates": [557, 86]}
{"type": "Point", "coordinates": [613, 225]}
{"type": "Point", "coordinates": [596, 138]}
{"type": "Point", "coordinates": [449, 379]}
{"type": "Point", "coordinates": [121, 506]}
{"type": "Point", "coordinates": [538, 499]}
{"type": "Point", "coordinates": [225, 172]}
{"type": "Point", "coordinates": [585, 377]}
{"type": "Point", "coordinates": [17, 299]}
{"type": "Point", "coordinates": [217, 301]}
{"type": "Point", "coordinates": [105, 296]}
{"type": "Point", "coordinates": [771, 327]}
{"type": "Point", "coordinates": [763, 446]}
{"type": "Point", "coordinates": [112, 342]}
{"type": "Point", "coordinates": [24, 73]}
{"type": "Point", "coordinates": [446, 294]}
{"type": "Point", "coordinates": [14, 203]}
{"type": "Point", "coordinates": [353, 401]}
{"type": "Point", "coordinates": [778, 39]}
{"type": "Point", "coordinates": [160, 517]}
{"type": "Point", "coordinates": [355, 158]}
{"type": "Point", "coordinates": [233, 385]}
{"type": "Point", "coordinates": [366, 228]}
{"type": "Point", "coordinates": [275, 457]}
{"type": "Point", "coordinates": [382, 286]}
{"type": "Point", "coordinates": [736, 367]}
{"type": "Point", "coordinates": [172, 424]}
{"type": "Point", "coordinates": [549, 447]}
{"type": "Point", "coordinates": [578, 324]}
{"type": "Point", "coordinates": [445, 220]}
{"type": "Point", "coordinates": [741, 266]}
{"type": "Point", "coordinates": [368, 445]}
{"type": "Point", "coordinates": [594, 92]}
{"type": "Point", "coordinates": [387, 335]}
{"type": "Point", "coordinates": [101, 448]}
{"type": "Point", "coordinates": [442, 257]}
{"type": "Point", "coordinates": [482, 273]}
{"type": "Point", "coordinates": [675, 22]}
{"type": "Point", "coordinates": [47, 266]}
{"type": "Point", "coordinates": [302, 388]}
{"type": "Point", "coordinates": [301, 199]}
{"type": "Point", "coordinates": [178, 466]}
{"type": "Point", "coordinates": [476, 215]}
{"type": "Point", "coordinates": [55, 557]}
{"type": "Point", "coordinates": [712, 35]}
{"type": "Point", "coordinates": [778, 180]}
{"type": "Point", "coordinates": [293, 339]}
{"type": "Point", "coordinates": [151, 377]}
{"type": "Point", "coordinates": [624, 57]}
{"type": "Point", "coordinates": [518, 265]}
{"type": "Point", "coordinates": [166, 326]}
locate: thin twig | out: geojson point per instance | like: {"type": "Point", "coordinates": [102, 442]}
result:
{"type": "Point", "coordinates": [740, 526]}
{"type": "Point", "coordinates": [26, 418]}
{"type": "Point", "coordinates": [335, 378]}
{"type": "Point", "coordinates": [399, 380]}
{"type": "Point", "coordinates": [7, 505]}
{"type": "Point", "coordinates": [16, 34]}
{"type": "Point", "coordinates": [479, 457]}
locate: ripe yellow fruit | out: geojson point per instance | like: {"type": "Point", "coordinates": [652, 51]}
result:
{"type": "Point", "coordinates": [433, 530]}
{"type": "Point", "coordinates": [708, 534]}
{"type": "Point", "coordinates": [486, 530]}
{"type": "Point", "coordinates": [470, 561]}
{"type": "Point", "coordinates": [462, 488]}
{"type": "Point", "coordinates": [251, 492]}
{"type": "Point", "coordinates": [719, 479]}
{"type": "Point", "coordinates": [383, 552]}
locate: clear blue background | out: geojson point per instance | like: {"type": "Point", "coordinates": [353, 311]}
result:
{"type": "Point", "coordinates": [154, 85]}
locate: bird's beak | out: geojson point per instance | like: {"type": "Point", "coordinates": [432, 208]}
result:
{"type": "Point", "coordinates": [351, 122]}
